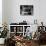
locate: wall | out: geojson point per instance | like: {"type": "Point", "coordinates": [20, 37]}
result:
{"type": "Point", "coordinates": [42, 11]}
{"type": "Point", "coordinates": [12, 11]}
{"type": "Point", "coordinates": [0, 13]}
{"type": "Point", "coordinates": [4, 11]}
{"type": "Point", "coordinates": [16, 10]}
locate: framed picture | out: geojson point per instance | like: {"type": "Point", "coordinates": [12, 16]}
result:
{"type": "Point", "coordinates": [26, 9]}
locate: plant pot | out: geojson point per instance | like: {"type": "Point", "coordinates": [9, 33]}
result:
{"type": "Point", "coordinates": [2, 40]}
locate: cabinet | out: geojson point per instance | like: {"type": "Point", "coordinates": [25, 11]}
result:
{"type": "Point", "coordinates": [18, 29]}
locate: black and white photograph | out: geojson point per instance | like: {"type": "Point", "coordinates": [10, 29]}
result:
{"type": "Point", "coordinates": [26, 9]}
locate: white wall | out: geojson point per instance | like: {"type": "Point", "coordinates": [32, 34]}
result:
{"type": "Point", "coordinates": [4, 11]}
{"type": "Point", "coordinates": [42, 11]}
{"type": "Point", "coordinates": [15, 10]}
{"type": "Point", "coordinates": [0, 13]}
{"type": "Point", "coordinates": [12, 11]}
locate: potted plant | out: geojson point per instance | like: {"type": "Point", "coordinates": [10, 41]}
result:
{"type": "Point", "coordinates": [3, 34]}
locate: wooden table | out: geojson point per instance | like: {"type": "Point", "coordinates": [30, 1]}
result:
{"type": "Point", "coordinates": [23, 42]}
{"type": "Point", "coordinates": [20, 41]}
{"type": "Point", "coordinates": [26, 42]}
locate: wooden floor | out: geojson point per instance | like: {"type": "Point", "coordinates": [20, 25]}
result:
{"type": "Point", "coordinates": [2, 45]}
{"type": "Point", "coordinates": [42, 45]}
{"type": "Point", "coordinates": [32, 45]}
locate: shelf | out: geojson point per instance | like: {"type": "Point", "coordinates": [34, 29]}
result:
{"type": "Point", "coordinates": [12, 32]}
{"type": "Point", "coordinates": [23, 25]}
{"type": "Point", "coordinates": [20, 29]}
{"type": "Point", "coordinates": [19, 32]}
{"type": "Point", "coordinates": [16, 32]}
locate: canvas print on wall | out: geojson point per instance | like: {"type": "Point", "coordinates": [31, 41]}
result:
{"type": "Point", "coordinates": [26, 9]}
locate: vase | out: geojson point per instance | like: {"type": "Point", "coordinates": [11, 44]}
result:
{"type": "Point", "coordinates": [2, 40]}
